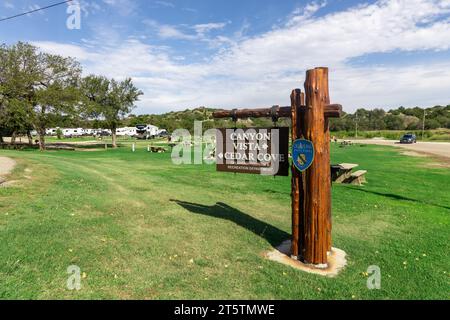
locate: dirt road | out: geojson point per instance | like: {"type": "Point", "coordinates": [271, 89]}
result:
{"type": "Point", "coordinates": [441, 149]}
{"type": "Point", "coordinates": [6, 165]}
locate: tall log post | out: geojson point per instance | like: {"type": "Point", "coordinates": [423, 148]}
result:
{"type": "Point", "coordinates": [315, 239]}
{"type": "Point", "coordinates": [295, 182]}
{"type": "Point", "coordinates": [327, 146]}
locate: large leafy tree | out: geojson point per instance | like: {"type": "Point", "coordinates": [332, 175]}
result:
{"type": "Point", "coordinates": [42, 85]}
{"type": "Point", "coordinates": [3, 57]}
{"type": "Point", "coordinates": [109, 100]}
{"type": "Point", "coordinates": [18, 75]}
{"type": "Point", "coordinates": [56, 94]}
{"type": "Point", "coordinates": [16, 117]}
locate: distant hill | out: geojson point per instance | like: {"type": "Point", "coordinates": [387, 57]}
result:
{"type": "Point", "coordinates": [185, 120]}
{"type": "Point", "coordinates": [376, 119]}
{"type": "Point", "coordinates": [367, 120]}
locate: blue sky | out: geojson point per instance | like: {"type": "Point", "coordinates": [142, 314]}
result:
{"type": "Point", "coordinates": [250, 53]}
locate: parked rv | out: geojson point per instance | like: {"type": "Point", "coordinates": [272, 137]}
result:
{"type": "Point", "coordinates": [72, 132]}
{"type": "Point", "coordinates": [102, 133]}
{"type": "Point", "coordinates": [51, 131]}
{"type": "Point", "coordinates": [90, 132]}
{"type": "Point", "coordinates": [148, 131]}
{"type": "Point", "coordinates": [127, 131]}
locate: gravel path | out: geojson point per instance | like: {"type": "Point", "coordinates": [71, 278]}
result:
{"type": "Point", "coordinates": [6, 165]}
{"type": "Point", "coordinates": [441, 149]}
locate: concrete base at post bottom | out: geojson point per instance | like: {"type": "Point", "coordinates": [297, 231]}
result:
{"type": "Point", "coordinates": [336, 260]}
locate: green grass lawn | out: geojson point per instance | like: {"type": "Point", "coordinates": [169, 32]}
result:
{"type": "Point", "coordinates": [140, 227]}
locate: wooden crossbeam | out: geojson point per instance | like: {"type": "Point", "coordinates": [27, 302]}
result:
{"type": "Point", "coordinates": [331, 111]}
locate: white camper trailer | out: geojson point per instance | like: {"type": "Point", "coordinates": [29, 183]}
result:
{"type": "Point", "coordinates": [127, 131]}
{"type": "Point", "coordinates": [73, 132]}
{"type": "Point", "coordinates": [90, 132]}
{"type": "Point", "coordinates": [51, 131]}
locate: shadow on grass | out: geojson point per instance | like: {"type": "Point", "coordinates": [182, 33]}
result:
{"type": "Point", "coordinates": [402, 198]}
{"type": "Point", "coordinates": [223, 211]}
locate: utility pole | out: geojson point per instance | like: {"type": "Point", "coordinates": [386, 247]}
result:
{"type": "Point", "coordinates": [423, 123]}
{"type": "Point", "coordinates": [356, 124]}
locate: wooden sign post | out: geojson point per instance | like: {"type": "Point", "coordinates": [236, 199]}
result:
{"type": "Point", "coordinates": [311, 189]}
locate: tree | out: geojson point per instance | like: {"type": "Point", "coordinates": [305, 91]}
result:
{"type": "Point", "coordinates": [57, 92]}
{"type": "Point", "coordinates": [431, 124]}
{"type": "Point", "coordinates": [376, 119]}
{"type": "Point", "coordinates": [42, 85]}
{"type": "Point", "coordinates": [3, 57]}
{"type": "Point", "coordinates": [393, 122]}
{"type": "Point", "coordinates": [17, 71]}
{"type": "Point", "coordinates": [109, 99]}
{"type": "Point", "coordinates": [15, 116]}
{"type": "Point", "coordinates": [59, 133]}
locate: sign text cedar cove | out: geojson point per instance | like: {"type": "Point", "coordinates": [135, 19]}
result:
{"type": "Point", "coordinates": [256, 150]}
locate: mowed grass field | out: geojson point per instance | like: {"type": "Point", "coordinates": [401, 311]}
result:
{"type": "Point", "coordinates": [140, 227]}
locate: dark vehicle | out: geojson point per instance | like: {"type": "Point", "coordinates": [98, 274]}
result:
{"type": "Point", "coordinates": [163, 134]}
{"type": "Point", "coordinates": [102, 133]}
{"type": "Point", "coordinates": [408, 138]}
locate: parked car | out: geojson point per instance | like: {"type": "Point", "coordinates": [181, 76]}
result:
{"type": "Point", "coordinates": [408, 138]}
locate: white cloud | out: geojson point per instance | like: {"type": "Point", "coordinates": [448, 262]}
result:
{"type": "Point", "coordinates": [125, 7]}
{"type": "Point", "coordinates": [206, 27]}
{"type": "Point", "coordinates": [172, 32]}
{"type": "Point", "coordinates": [262, 70]}
{"type": "Point", "coordinates": [8, 5]}
{"type": "Point", "coordinates": [68, 50]}
{"type": "Point", "coordinates": [183, 32]}
{"type": "Point", "coordinates": [191, 10]}
{"type": "Point", "coordinates": [302, 14]}
{"type": "Point", "coordinates": [87, 7]}
{"type": "Point", "coordinates": [165, 4]}
{"type": "Point", "coordinates": [34, 7]}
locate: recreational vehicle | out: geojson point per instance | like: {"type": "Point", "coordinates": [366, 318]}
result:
{"type": "Point", "coordinates": [73, 132]}
{"type": "Point", "coordinates": [90, 132]}
{"type": "Point", "coordinates": [127, 131]}
{"type": "Point", "coordinates": [51, 131]}
{"type": "Point", "coordinates": [147, 131]}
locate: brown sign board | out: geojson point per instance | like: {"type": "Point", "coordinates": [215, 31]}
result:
{"type": "Point", "coordinates": [254, 150]}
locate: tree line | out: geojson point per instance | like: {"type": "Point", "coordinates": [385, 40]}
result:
{"type": "Point", "coordinates": [40, 90]}
{"type": "Point", "coordinates": [396, 119]}
{"type": "Point", "coordinates": [362, 119]}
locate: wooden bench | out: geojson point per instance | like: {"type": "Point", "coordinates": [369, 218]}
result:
{"type": "Point", "coordinates": [357, 177]}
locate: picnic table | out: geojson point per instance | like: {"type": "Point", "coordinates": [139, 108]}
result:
{"type": "Point", "coordinates": [157, 149]}
{"type": "Point", "coordinates": [342, 172]}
